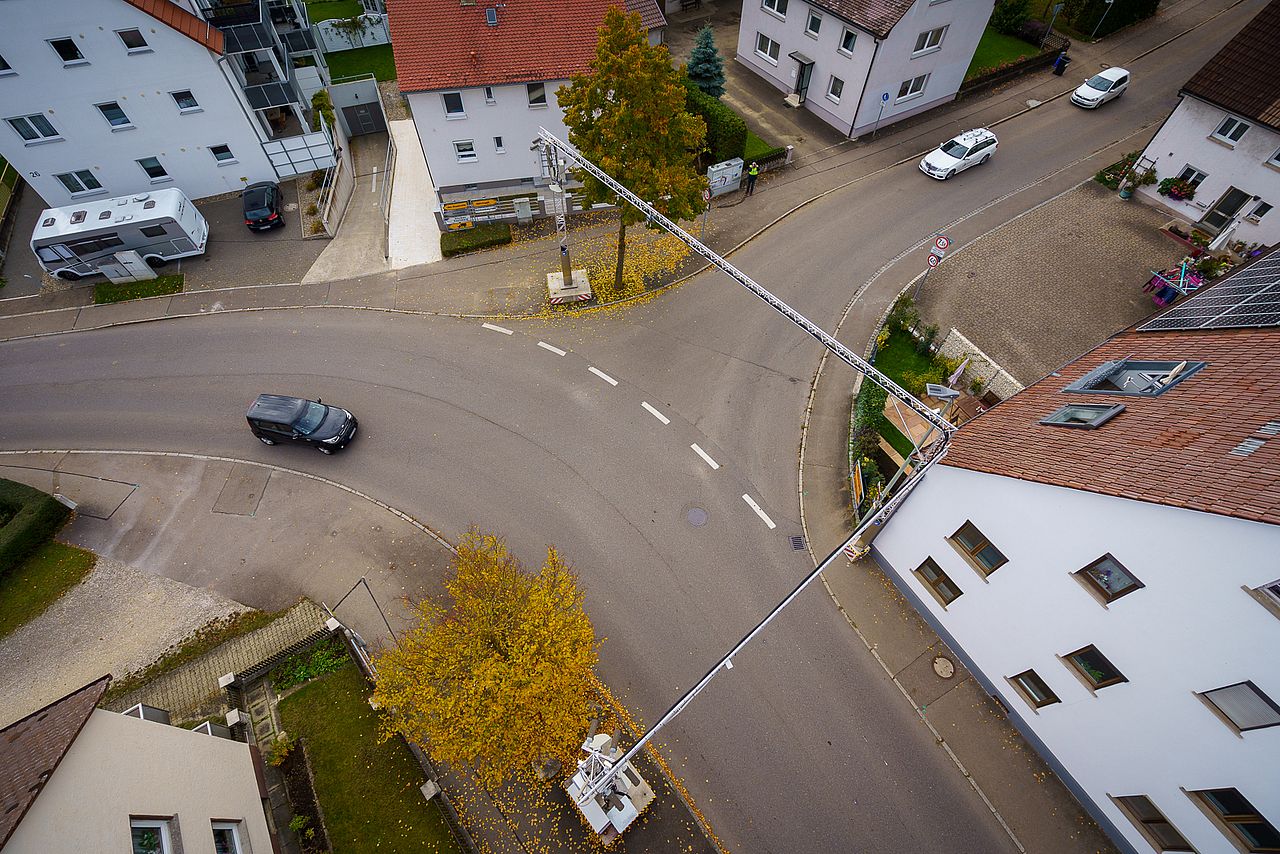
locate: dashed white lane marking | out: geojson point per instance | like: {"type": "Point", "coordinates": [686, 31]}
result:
{"type": "Point", "coordinates": [656, 414]}
{"type": "Point", "coordinates": [751, 502]}
{"type": "Point", "coordinates": [602, 375]}
{"type": "Point", "coordinates": [705, 456]}
{"type": "Point", "coordinates": [545, 346]}
{"type": "Point", "coordinates": [497, 329]}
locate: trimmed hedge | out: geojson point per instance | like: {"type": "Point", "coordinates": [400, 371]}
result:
{"type": "Point", "coordinates": [34, 518]}
{"type": "Point", "coordinates": [726, 130]}
{"type": "Point", "coordinates": [482, 236]}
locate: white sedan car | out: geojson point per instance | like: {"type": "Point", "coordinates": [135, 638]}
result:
{"type": "Point", "coordinates": [959, 153]}
{"type": "Point", "coordinates": [1100, 88]}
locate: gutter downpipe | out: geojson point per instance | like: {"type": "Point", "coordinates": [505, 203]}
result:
{"type": "Point", "coordinates": [865, 82]}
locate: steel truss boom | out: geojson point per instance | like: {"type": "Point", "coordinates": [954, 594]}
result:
{"type": "Point", "coordinates": [837, 349]}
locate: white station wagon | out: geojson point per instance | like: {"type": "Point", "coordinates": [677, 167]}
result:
{"type": "Point", "coordinates": [959, 153]}
{"type": "Point", "coordinates": [1100, 88]}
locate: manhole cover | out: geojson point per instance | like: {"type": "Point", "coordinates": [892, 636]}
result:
{"type": "Point", "coordinates": [944, 667]}
{"type": "Point", "coordinates": [697, 517]}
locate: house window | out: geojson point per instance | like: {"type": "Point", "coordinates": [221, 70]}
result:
{"type": "Point", "coordinates": [226, 837]}
{"type": "Point", "coordinates": [34, 128]}
{"type": "Point", "coordinates": [1238, 817]}
{"type": "Point", "coordinates": [813, 23]}
{"type": "Point", "coordinates": [453, 105]}
{"type": "Point", "coordinates": [1146, 378]}
{"type": "Point", "coordinates": [488, 95]}
{"type": "Point", "coordinates": [912, 88]}
{"type": "Point", "coordinates": [150, 836]}
{"type": "Point", "coordinates": [1108, 578]}
{"type": "Point", "coordinates": [1231, 130]}
{"type": "Point", "coordinates": [778, 7]}
{"type": "Point", "coordinates": [1273, 160]}
{"type": "Point", "coordinates": [186, 102]}
{"type": "Point", "coordinates": [537, 93]}
{"type": "Point", "coordinates": [930, 40]}
{"type": "Point", "coordinates": [1095, 668]}
{"type": "Point", "coordinates": [156, 172]}
{"type": "Point", "coordinates": [942, 587]}
{"type": "Point", "coordinates": [5, 68]}
{"type": "Point", "coordinates": [80, 181]}
{"type": "Point", "coordinates": [848, 39]}
{"type": "Point", "coordinates": [498, 147]}
{"type": "Point", "coordinates": [767, 48]}
{"type": "Point", "coordinates": [1245, 706]}
{"type": "Point", "coordinates": [1259, 211]}
{"type": "Point", "coordinates": [222, 153]}
{"type": "Point", "coordinates": [114, 115]}
{"type": "Point", "coordinates": [1192, 175]}
{"type": "Point", "coordinates": [1152, 824]}
{"type": "Point", "coordinates": [835, 88]}
{"type": "Point", "coordinates": [67, 50]}
{"type": "Point", "coordinates": [465, 150]}
{"type": "Point", "coordinates": [133, 40]}
{"type": "Point", "coordinates": [1034, 689]}
{"type": "Point", "coordinates": [1086, 415]}
{"type": "Point", "coordinates": [974, 546]}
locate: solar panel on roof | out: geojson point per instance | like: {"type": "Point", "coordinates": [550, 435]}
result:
{"type": "Point", "coordinates": [1249, 298]}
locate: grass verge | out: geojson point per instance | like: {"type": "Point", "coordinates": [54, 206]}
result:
{"type": "Point", "coordinates": [368, 790]}
{"type": "Point", "coordinates": [25, 593]}
{"type": "Point", "coordinates": [995, 49]}
{"type": "Point", "coordinates": [108, 292]}
{"type": "Point", "coordinates": [207, 637]}
{"type": "Point", "coordinates": [363, 60]}
{"type": "Point", "coordinates": [483, 236]}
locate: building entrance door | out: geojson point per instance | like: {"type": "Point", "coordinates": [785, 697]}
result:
{"type": "Point", "coordinates": [1227, 207]}
{"type": "Point", "coordinates": [804, 72]}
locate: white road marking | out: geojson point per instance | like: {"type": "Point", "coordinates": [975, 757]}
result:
{"type": "Point", "coordinates": [705, 456]}
{"type": "Point", "coordinates": [602, 375]}
{"type": "Point", "coordinates": [374, 188]}
{"type": "Point", "coordinates": [545, 346]}
{"type": "Point", "coordinates": [498, 329]}
{"type": "Point", "coordinates": [656, 414]}
{"type": "Point", "coordinates": [756, 507]}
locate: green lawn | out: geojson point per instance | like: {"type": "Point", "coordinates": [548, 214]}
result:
{"type": "Point", "coordinates": [363, 60]}
{"type": "Point", "coordinates": [755, 148]}
{"type": "Point", "coordinates": [26, 592]}
{"type": "Point", "coordinates": [895, 437]}
{"type": "Point", "coordinates": [368, 791]}
{"type": "Point", "coordinates": [105, 292]}
{"type": "Point", "coordinates": [995, 49]}
{"type": "Point", "coordinates": [323, 10]}
{"type": "Point", "coordinates": [898, 357]}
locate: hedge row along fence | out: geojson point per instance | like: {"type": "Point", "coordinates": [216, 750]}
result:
{"type": "Point", "coordinates": [726, 130]}
{"type": "Point", "coordinates": [1053, 46]}
{"type": "Point", "coordinates": [483, 236]}
{"type": "Point", "coordinates": [28, 519]}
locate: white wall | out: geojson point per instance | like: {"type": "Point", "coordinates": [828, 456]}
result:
{"type": "Point", "coordinates": [1191, 628]}
{"type": "Point", "coordinates": [510, 117]}
{"type": "Point", "coordinates": [140, 83]}
{"type": "Point", "coordinates": [120, 767]}
{"type": "Point", "coordinates": [1185, 140]}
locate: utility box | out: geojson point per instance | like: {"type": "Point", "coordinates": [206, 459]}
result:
{"type": "Point", "coordinates": [725, 177]}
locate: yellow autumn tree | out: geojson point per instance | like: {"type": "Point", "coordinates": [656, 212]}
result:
{"type": "Point", "coordinates": [498, 674]}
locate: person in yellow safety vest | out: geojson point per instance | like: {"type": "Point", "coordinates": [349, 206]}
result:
{"type": "Point", "coordinates": [753, 172]}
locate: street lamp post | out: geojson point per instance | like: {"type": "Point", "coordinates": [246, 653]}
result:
{"type": "Point", "coordinates": [1097, 27]}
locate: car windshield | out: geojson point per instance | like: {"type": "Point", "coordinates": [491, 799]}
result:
{"type": "Point", "coordinates": [1098, 82]}
{"type": "Point", "coordinates": [310, 418]}
{"type": "Point", "coordinates": [955, 148]}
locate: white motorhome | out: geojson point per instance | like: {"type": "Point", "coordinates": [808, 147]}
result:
{"type": "Point", "coordinates": [76, 240]}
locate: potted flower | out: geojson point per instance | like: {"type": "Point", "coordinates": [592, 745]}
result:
{"type": "Point", "coordinates": [1177, 189]}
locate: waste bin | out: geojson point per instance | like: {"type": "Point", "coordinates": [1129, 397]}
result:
{"type": "Point", "coordinates": [1060, 64]}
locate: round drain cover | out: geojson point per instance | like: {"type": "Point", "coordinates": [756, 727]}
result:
{"type": "Point", "coordinates": [944, 667]}
{"type": "Point", "coordinates": [697, 517]}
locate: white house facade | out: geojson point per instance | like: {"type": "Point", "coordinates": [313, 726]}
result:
{"type": "Point", "coordinates": [107, 99]}
{"type": "Point", "coordinates": [859, 67]}
{"type": "Point", "coordinates": [1224, 139]}
{"type": "Point", "coordinates": [1100, 549]}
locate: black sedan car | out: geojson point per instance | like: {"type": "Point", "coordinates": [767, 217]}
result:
{"type": "Point", "coordinates": [263, 206]}
{"type": "Point", "coordinates": [277, 418]}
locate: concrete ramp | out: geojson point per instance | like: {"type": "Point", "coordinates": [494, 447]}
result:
{"type": "Point", "coordinates": [414, 234]}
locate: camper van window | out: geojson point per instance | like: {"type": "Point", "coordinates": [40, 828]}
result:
{"type": "Point", "coordinates": [152, 231]}
{"type": "Point", "coordinates": [78, 217]}
{"type": "Point", "coordinates": [105, 215]}
{"type": "Point", "coordinates": [93, 245]}
{"type": "Point", "coordinates": [48, 255]}
{"type": "Point", "coordinates": [148, 204]}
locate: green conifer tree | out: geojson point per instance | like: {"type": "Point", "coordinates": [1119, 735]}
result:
{"type": "Point", "coordinates": [706, 66]}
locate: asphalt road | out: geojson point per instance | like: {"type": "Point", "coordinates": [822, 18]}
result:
{"type": "Point", "coordinates": [805, 746]}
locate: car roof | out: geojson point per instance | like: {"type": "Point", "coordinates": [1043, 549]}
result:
{"type": "Point", "coordinates": [969, 137]}
{"type": "Point", "coordinates": [276, 407]}
{"type": "Point", "coordinates": [1113, 73]}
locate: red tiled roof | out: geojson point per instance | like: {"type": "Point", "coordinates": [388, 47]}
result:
{"type": "Point", "coordinates": [1171, 449]}
{"type": "Point", "coordinates": [877, 17]}
{"type": "Point", "coordinates": [30, 750]}
{"type": "Point", "coordinates": [651, 16]}
{"type": "Point", "coordinates": [442, 44]}
{"type": "Point", "coordinates": [1244, 77]}
{"type": "Point", "coordinates": [180, 19]}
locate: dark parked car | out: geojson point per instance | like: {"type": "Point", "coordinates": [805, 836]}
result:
{"type": "Point", "coordinates": [277, 418]}
{"type": "Point", "coordinates": [263, 206]}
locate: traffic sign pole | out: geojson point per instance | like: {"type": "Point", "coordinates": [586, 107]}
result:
{"type": "Point", "coordinates": [936, 253]}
